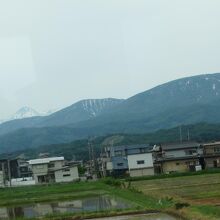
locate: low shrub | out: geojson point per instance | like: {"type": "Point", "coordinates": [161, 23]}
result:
{"type": "Point", "coordinates": [112, 182]}
{"type": "Point", "coordinates": [181, 205]}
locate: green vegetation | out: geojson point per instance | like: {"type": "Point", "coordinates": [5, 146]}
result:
{"type": "Point", "coordinates": [79, 149]}
{"type": "Point", "coordinates": [193, 197]}
{"type": "Point", "coordinates": [58, 192]}
{"type": "Point", "coordinates": [173, 175]}
{"type": "Point", "coordinates": [46, 193]}
{"type": "Point", "coordinates": [201, 192]}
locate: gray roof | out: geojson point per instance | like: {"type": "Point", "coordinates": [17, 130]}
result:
{"type": "Point", "coordinates": [189, 157]}
{"type": "Point", "coordinates": [130, 147]}
{"type": "Point", "coordinates": [212, 143]}
{"type": "Point", "coordinates": [184, 145]}
{"type": "Point", "coordinates": [45, 160]}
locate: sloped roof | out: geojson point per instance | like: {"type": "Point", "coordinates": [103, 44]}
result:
{"type": "Point", "coordinates": [212, 143]}
{"type": "Point", "coordinates": [131, 147]}
{"type": "Point", "coordinates": [45, 160]}
{"type": "Point", "coordinates": [184, 145]}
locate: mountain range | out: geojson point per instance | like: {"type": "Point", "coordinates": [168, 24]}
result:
{"type": "Point", "coordinates": [26, 112]}
{"type": "Point", "coordinates": [184, 101]}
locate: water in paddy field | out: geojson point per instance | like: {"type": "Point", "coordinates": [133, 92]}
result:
{"type": "Point", "coordinates": [98, 203]}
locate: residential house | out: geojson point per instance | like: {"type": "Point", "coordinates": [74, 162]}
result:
{"type": "Point", "coordinates": [4, 174]}
{"type": "Point", "coordinates": [53, 169]}
{"type": "Point", "coordinates": [179, 157]}
{"type": "Point", "coordinates": [141, 164]}
{"type": "Point", "coordinates": [118, 159]}
{"type": "Point", "coordinates": [212, 154]}
{"type": "Point", "coordinates": [2, 184]}
{"type": "Point", "coordinates": [24, 170]}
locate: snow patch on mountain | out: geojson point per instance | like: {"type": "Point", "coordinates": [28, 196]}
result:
{"type": "Point", "coordinates": [214, 86]}
{"type": "Point", "coordinates": [96, 106]}
{"type": "Point", "coordinates": [27, 112]}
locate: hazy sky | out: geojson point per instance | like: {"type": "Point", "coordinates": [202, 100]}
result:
{"type": "Point", "coordinates": [56, 52]}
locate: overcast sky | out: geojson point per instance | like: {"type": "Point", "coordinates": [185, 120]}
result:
{"type": "Point", "coordinates": [56, 52]}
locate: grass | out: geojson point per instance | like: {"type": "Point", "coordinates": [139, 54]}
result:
{"type": "Point", "coordinates": [51, 193]}
{"type": "Point", "coordinates": [173, 175]}
{"type": "Point", "coordinates": [202, 192]}
{"type": "Point", "coordinates": [46, 193]}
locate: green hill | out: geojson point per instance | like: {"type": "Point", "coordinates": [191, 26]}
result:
{"type": "Point", "coordinates": [79, 149]}
{"type": "Point", "coordinates": [190, 100]}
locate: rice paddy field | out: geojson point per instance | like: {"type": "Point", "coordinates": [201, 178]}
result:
{"type": "Point", "coordinates": [201, 193]}
{"type": "Point", "coordinates": [190, 197]}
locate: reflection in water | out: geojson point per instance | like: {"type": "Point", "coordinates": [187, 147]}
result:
{"type": "Point", "coordinates": [41, 209]}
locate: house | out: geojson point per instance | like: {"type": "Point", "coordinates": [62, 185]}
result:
{"type": "Point", "coordinates": [53, 170]}
{"type": "Point", "coordinates": [179, 157]}
{"type": "Point", "coordinates": [2, 184]}
{"type": "Point", "coordinates": [4, 172]}
{"type": "Point", "coordinates": [141, 164]}
{"type": "Point", "coordinates": [118, 158]}
{"type": "Point", "coordinates": [24, 170]}
{"type": "Point", "coordinates": [212, 154]}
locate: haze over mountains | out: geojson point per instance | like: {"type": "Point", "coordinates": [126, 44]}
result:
{"type": "Point", "coordinates": [185, 101]}
{"type": "Point", "coordinates": [26, 112]}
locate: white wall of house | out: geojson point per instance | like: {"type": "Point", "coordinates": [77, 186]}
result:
{"type": "Point", "coordinates": [39, 170]}
{"type": "Point", "coordinates": [53, 170]}
{"type": "Point", "coordinates": [109, 166]}
{"type": "Point", "coordinates": [138, 161]}
{"type": "Point", "coordinates": [27, 181]}
{"type": "Point", "coordinates": [55, 165]}
{"type": "Point", "coordinates": [1, 179]}
{"type": "Point", "coordinates": [44, 166]}
{"type": "Point", "coordinates": [67, 175]}
{"type": "Point", "coordinates": [142, 172]}
{"type": "Point", "coordinates": [141, 164]}
{"type": "Point", "coordinates": [4, 213]}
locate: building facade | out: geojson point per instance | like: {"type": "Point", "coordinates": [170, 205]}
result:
{"type": "Point", "coordinates": [179, 157]}
{"type": "Point", "coordinates": [2, 184]}
{"type": "Point", "coordinates": [122, 160]}
{"type": "Point", "coordinates": [53, 170]}
{"type": "Point", "coordinates": [141, 164]}
{"type": "Point", "coordinates": [212, 154]}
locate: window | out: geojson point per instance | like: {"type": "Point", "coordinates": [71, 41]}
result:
{"type": "Point", "coordinates": [66, 170]}
{"type": "Point", "coordinates": [120, 164]}
{"type": "Point", "coordinates": [23, 169]}
{"type": "Point", "coordinates": [192, 163]}
{"type": "Point", "coordinates": [118, 153]}
{"type": "Point", "coordinates": [217, 149]}
{"type": "Point", "coordinates": [140, 162]}
{"type": "Point", "coordinates": [191, 152]}
{"type": "Point", "coordinates": [51, 165]}
{"type": "Point", "coordinates": [66, 175]}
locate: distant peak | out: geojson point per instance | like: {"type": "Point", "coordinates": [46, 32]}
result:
{"type": "Point", "coordinates": [25, 112]}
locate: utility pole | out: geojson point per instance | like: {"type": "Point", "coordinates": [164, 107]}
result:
{"type": "Point", "coordinates": [9, 172]}
{"type": "Point", "coordinates": [181, 137]}
{"type": "Point", "coordinates": [188, 135]}
{"type": "Point", "coordinates": [3, 172]}
{"type": "Point", "coordinates": [94, 161]}
{"type": "Point", "coordinates": [90, 157]}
